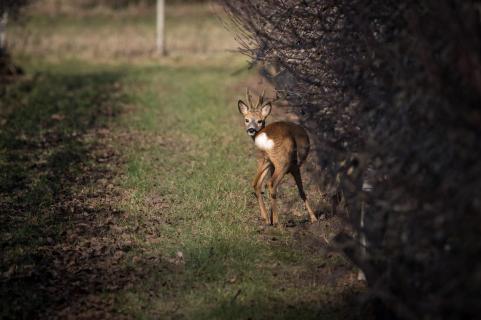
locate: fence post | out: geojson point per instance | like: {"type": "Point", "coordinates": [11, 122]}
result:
{"type": "Point", "coordinates": [160, 27]}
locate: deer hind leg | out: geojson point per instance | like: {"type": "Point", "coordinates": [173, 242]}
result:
{"type": "Point", "coordinates": [279, 173]}
{"type": "Point", "coordinates": [259, 183]}
{"type": "Point", "coordinates": [296, 173]}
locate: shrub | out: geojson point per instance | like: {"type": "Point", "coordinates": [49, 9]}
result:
{"type": "Point", "coordinates": [391, 90]}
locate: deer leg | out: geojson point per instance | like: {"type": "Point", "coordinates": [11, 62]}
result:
{"type": "Point", "coordinates": [263, 165]}
{"type": "Point", "coordinates": [258, 190]}
{"type": "Point", "coordinates": [296, 173]}
{"type": "Point", "coordinates": [275, 180]}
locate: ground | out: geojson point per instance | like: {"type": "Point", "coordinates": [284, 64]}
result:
{"type": "Point", "coordinates": [125, 182]}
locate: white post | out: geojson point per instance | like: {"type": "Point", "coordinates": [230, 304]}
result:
{"type": "Point", "coordinates": [3, 30]}
{"type": "Point", "coordinates": [160, 27]}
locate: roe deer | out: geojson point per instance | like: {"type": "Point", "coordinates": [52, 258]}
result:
{"type": "Point", "coordinates": [284, 147]}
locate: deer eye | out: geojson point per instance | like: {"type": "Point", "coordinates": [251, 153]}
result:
{"type": "Point", "coordinates": [259, 121]}
{"type": "Point", "coordinates": [247, 120]}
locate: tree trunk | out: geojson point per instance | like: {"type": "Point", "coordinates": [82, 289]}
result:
{"type": "Point", "coordinates": [3, 31]}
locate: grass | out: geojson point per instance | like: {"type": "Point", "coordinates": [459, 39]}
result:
{"type": "Point", "coordinates": [230, 267]}
{"type": "Point", "coordinates": [44, 155]}
{"type": "Point", "coordinates": [126, 191]}
{"type": "Point", "coordinates": [119, 35]}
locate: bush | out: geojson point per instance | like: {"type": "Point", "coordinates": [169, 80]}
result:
{"type": "Point", "coordinates": [392, 92]}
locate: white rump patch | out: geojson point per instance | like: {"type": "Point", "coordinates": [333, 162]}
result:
{"type": "Point", "coordinates": [263, 142]}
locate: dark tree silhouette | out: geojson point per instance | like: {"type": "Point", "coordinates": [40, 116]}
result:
{"type": "Point", "coordinates": [392, 92]}
{"type": "Point", "coordinates": [9, 9]}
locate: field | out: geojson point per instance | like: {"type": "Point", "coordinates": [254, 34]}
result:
{"type": "Point", "coordinates": [125, 180]}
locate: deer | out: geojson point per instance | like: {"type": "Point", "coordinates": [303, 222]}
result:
{"type": "Point", "coordinates": [284, 147]}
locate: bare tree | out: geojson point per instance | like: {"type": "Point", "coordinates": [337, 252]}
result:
{"type": "Point", "coordinates": [3, 30]}
{"type": "Point", "coordinates": [9, 9]}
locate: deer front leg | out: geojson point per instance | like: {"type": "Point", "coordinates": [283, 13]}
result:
{"type": "Point", "coordinates": [259, 183]}
{"type": "Point", "coordinates": [273, 184]}
{"type": "Point", "coordinates": [261, 167]}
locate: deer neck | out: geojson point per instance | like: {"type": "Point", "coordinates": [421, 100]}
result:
{"type": "Point", "coordinates": [263, 141]}
{"type": "Point", "coordinates": [256, 134]}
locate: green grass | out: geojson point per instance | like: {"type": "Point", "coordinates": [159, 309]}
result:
{"type": "Point", "coordinates": [182, 216]}
{"type": "Point", "coordinates": [113, 36]}
{"type": "Point", "coordinates": [203, 170]}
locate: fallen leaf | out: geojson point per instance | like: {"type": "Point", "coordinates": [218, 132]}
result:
{"type": "Point", "coordinates": [57, 117]}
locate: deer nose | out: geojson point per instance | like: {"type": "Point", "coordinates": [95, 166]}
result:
{"type": "Point", "coordinates": [251, 131]}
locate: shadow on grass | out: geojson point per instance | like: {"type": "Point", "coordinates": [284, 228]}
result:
{"type": "Point", "coordinates": [246, 298]}
{"type": "Point", "coordinates": [224, 279]}
{"type": "Point", "coordinates": [346, 308]}
{"type": "Point", "coordinates": [51, 154]}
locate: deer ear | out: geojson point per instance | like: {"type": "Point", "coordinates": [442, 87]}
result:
{"type": "Point", "coordinates": [243, 108]}
{"type": "Point", "coordinates": [266, 109]}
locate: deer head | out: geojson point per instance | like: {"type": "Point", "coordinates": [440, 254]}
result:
{"type": "Point", "coordinates": [254, 115]}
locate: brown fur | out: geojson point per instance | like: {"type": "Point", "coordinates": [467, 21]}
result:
{"type": "Point", "coordinates": [290, 150]}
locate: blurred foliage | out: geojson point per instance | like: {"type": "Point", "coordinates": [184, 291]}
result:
{"type": "Point", "coordinates": [12, 6]}
{"type": "Point", "coordinates": [9, 9]}
{"type": "Point", "coordinates": [392, 92]}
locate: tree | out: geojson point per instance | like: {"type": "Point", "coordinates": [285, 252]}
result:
{"type": "Point", "coordinates": [8, 9]}
{"type": "Point", "coordinates": [3, 30]}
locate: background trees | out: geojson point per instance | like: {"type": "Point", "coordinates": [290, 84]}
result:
{"type": "Point", "coordinates": [391, 90]}
{"type": "Point", "coordinates": [8, 9]}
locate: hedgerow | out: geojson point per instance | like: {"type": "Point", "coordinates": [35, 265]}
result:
{"type": "Point", "coordinates": [391, 91]}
